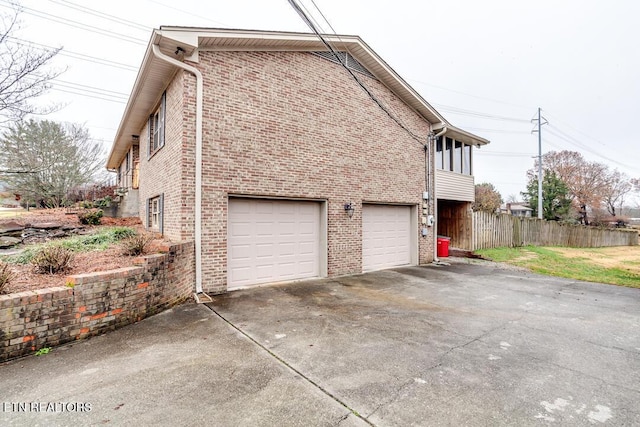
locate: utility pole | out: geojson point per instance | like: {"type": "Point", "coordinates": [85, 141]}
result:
{"type": "Point", "coordinates": [539, 130]}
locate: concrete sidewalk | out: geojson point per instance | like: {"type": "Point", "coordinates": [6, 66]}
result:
{"type": "Point", "coordinates": [182, 367]}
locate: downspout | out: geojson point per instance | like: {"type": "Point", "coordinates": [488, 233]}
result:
{"type": "Point", "coordinates": [435, 198]}
{"type": "Point", "coordinates": [199, 295]}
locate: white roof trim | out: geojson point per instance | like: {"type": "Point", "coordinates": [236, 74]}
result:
{"type": "Point", "coordinates": [155, 75]}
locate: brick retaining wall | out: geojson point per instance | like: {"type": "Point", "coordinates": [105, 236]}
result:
{"type": "Point", "coordinates": [94, 303]}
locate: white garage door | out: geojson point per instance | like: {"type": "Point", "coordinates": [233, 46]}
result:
{"type": "Point", "coordinates": [386, 236]}
{"type": "Point", "coordinates": [272, 241]}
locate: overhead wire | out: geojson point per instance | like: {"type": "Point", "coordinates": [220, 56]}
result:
{"type": "Point", "coordinates": [567, 138]}
{"type": "Point", "coordinates": [87, 95]}
{"type": "Point", "coordinates": [89, 88]}
{"type": "Point", "coordinates": [556, 119]}
{"type": "Point", "coordinates": [475, 129]}
{"type": "Point", "coordinates": [75, 55]}
{"type": "Point", "coordinates": [75, 24]}
{"type": "Point", "coordinates": [461, 111]}
{"type": "Point", "coordinates": [94, 12]}
{"type": "Point", "coordinates": [469, 94]}
{"type": "Point", "coordinates": [503, 153]}
{"type": "Point", "coordinates": [328, 45]}
{"type": "Point", "coordinates": [187, 12]}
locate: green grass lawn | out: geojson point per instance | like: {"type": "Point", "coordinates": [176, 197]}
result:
{"type": "Point", "coordinates": [11, 213]}
{"type": "Point", "coordinates": [580, 264]}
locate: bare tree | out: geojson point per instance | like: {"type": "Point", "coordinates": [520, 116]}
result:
{"type": "Point", "coordinates": [24, 71]}
{"type": "Point", "coordinates": [585, 180]}
{"type": "Point", "coordinates": [616, 189]}
{"type": "Point", "coordinates": [57, 157]}
{"type": "Point", "coordinates": [487, 198]}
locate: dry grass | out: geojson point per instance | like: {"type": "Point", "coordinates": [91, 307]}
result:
{"type": "Point", "coordinates": [612, 265]}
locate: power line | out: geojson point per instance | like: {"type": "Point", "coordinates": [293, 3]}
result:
{"type": "Point", "coordinates": [187, 12]}
{"type": "Point", "coordinates": [102, 15]}
{"type": "Point", "coordinates": [461, 111]}
{"type": "Point", "coordinates": [469, 94]}
{"type": "Point", "coordinates": [504, 154]}
{"type": "Point", "coordinates": [577, 130]}
{"type": "Point", "coordinates": [75, 55]}
{"type": "Point", "coordinates": [76, 24]}
{"type": "Point", "coordinates": [311, 25]}
{"type": "Point", "coordinates": [567, 138]}
{"type": "Point", "coordinates": [475, 129]}
{"type": "Point", "coordinates": [91, 89]}
{"type": "Point", "coordinates": [88, 96]}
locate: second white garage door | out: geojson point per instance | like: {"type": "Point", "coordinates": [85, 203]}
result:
{"type": "Point", "coordinates": [386, 236]}
{"type": "Point", "coordinates": [272, 241]}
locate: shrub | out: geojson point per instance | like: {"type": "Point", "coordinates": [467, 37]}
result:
{"type": "Point", "coordinates": [120, 233]}
{"type": "Point", "coordinates": [52, 259]}
{"type": "Point", "coordinates": [99, 240]}
{"type": "Point", "coordinates": [91, 217]}
{"type": "Point", "coordinates": [6, 275]}
{"type": "Point", "coordinates": [22, 258]}
{"type": "Point", "coordinates": [105, 202]}
{"type": "Point", "coordinates": [136, 245]}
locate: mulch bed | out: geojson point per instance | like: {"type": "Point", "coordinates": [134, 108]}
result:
{"type": "Point", "coordinates": [85, 262]}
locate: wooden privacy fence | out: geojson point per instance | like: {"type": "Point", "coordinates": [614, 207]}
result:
{"type": "Point", "coordinates": [498, 230]}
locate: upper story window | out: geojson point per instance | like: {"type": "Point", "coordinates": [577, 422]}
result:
{"type": "Point", "coordinates": [156, 127]}
{"type": "Point", "coordinates": [454, 156]}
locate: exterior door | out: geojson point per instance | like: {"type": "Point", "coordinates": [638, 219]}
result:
{"type": "Point", "coordinates": [272, 241]}
{"type": "Point", "coordinates": [386, 236]}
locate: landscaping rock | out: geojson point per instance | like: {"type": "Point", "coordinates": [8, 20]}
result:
{"type": "Point", "coordinates": [11, 228]}
{"type": "Point", "coordinates": [8, 242]}
{"type": "Point", "coordinates": [46, 225]}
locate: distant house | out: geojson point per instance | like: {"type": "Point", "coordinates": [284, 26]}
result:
{"type": "Point", "coordinates": [519, 209]}
{"type": "Point", "coordinates": [282, 160]}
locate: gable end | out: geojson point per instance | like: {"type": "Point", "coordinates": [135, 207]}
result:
{"type": "Point", "coordinates": [346, 59]}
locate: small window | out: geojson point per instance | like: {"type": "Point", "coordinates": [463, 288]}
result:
{"type": "Point", "coordinates": [466, 161]}
{"type": "Point", "coordinates": [155, 213]}
{"type": "Point", "coordinates": [156, 127]}
{"type": "Point", "coordinates": [457, 157]}
{"type": "Point", "coordinates": [447, 154]}
{"type": "Point", "coordinates": [439, 153]}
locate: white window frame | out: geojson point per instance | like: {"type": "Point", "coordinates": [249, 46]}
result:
{"type": "Point", "coordinates": [155, 213]}
{"type": "Point", "coordinates": [156, 127]}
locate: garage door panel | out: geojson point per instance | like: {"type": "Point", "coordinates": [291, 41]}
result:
{"type": "Point", "coordinates": [286, 249]}
{"type": "Point", "coordinates": [272, 240]}
{"type": "Point", "coordinates": [307, 248]}
{"type": "Point", "coordinates": [241, 252]}
{"type": "Point", "coordinates": [386, 236]}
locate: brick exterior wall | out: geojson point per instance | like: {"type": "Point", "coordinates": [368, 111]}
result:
{"type": "Point", "coordinates": [161, 173]}
{"type": "Point", "coordinates": [95, 303]}
{"type": "Point", "coordinates": [286, 125]}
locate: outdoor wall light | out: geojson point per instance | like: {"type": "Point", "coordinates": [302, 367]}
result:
{"type": "Point", "coordinates": [349, 209]}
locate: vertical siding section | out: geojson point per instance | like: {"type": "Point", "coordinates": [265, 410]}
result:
{"type": "Point", "coordinates": [454, 186]}
{"type": "Point", "coordinates": [455, 221]}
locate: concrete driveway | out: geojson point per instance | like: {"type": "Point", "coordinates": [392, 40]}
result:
{"type": "Point", "coordinates": [454, 345]}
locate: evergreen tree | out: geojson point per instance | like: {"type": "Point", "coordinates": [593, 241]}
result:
{"type": "Point", "coordinates": [556, 202]}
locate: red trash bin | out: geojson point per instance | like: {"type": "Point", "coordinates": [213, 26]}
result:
{"type": "Point", "coordinates": [443, 247]}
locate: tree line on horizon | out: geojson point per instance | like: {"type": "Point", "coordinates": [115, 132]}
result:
{"type": "Point", "coordinates": [574, 189]}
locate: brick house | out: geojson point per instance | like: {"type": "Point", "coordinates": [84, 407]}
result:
{"type": "Point", "coordinates": [279, 161]}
